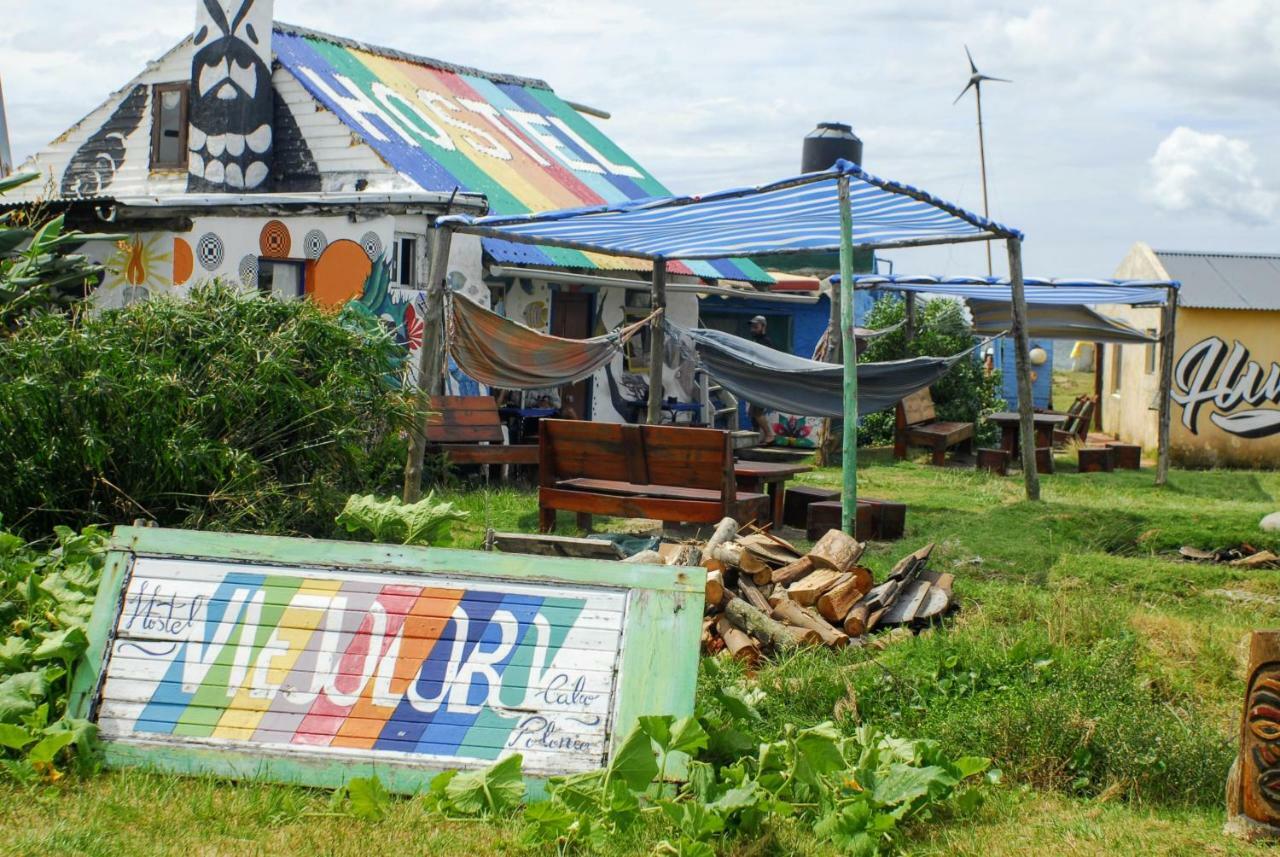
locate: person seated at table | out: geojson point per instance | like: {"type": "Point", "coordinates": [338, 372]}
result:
{"type": "Point", "coordinates": [757, 413]}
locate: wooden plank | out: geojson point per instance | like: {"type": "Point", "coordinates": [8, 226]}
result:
{"type": "Point", "coordinates": [548, 545]}
{"type": "Point", "coordinates": [661, 508]}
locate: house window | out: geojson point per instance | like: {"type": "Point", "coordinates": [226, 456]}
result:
{"type": "Point", "coordinates": [404, 261]}
{"type": "Point", "coordinates": [283, 279]}
{"type": "Point", "coordinates": [1151, 353]}
{"type": "Point", "coordinates": [169, 126]}
{"type": "Point", "coordinates": [1116, 351]}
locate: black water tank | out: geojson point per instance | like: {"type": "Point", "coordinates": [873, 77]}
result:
{"type": "Point", "coordinates": [826, 144]}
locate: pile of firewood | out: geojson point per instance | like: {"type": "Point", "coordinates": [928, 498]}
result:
{"type": "Point", "coordinates": [763, 596]}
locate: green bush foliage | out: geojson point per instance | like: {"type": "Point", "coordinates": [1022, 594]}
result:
{"type": "Point", "coordinates": [963, 394]}
{"type": "Point", "coordinates": [224, 410]}
{"type": "Point", "coordinates": [46, 597]}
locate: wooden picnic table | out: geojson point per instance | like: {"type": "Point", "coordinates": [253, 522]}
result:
{"type": "Point", "coordinates": [754, 475]}
{"type": "Point", "coordinates": [1010, 427]}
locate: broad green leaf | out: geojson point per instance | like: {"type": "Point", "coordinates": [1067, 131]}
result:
{"type": "Point", "coordinates": [423, 523]}
{"type": "Point", "coordinates": [65, 645]}
{"type": "Point", "coordinates": [967, 766]}
{"type": "Point", "coordinates": [19, 695]}
{"type": "Point", "coordinates": [550, 820]}
{"type": "Point", "coordinates": [50, 745]}
{"type": "Point", "coordinates": [498, 788]}
{"type": "Point", "coordinates": [744, 796]}
{"type": "Point", "coordinates": [817, 752]}
{"type": "Point", "coordinates": [658, 727]}
{"type": "Point", "coordinates": [701, 779]}
{"type": "Point", "coordinates": [14, 737]}
{"type": "Point", "coordinates": [687, 735]}
{"type": "Point", "coordinates": [14, 654]}
{"type": "Point", "coordinates": [684, 847]}
{"type": "Point", "coordinates": [735, 702]}
{"type": "Point", "coordinates": [902, 784]}
{"type": "Point", "coordinates": [580, 792]}
{"type": "Point", "coordinates": [634, 763]}
{"type": "Point", "coordinates": [695, 820]}
{"type": "Point", "coordinates": [368, 797]}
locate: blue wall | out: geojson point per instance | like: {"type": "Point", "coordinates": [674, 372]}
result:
{"type": "Point", "coordinates": [1040, 387]}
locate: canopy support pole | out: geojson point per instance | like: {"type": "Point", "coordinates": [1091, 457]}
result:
{"type": "Point", "coordinates": [849, 355]}
{"type": "Point", "coordinates": [430, 359]}
{"type": "Point", "coordinates": [909, 312]}
{"type": "Point", "coordinates": [1022, 363]}
{"type": "Point", "coordinates": [1168, 327]}
{"type": "Point", "coordinates": [657, 342]}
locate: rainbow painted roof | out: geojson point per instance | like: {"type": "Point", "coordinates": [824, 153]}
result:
{"type": "Point", "coordinates": [512, 139]}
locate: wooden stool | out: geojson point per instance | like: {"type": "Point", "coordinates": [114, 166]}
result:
{"type": "Point", "coordinates": [795, 505]}
{"type": "Point", "coordinates": [883, 520]}
{"type": "Point", "coordinates": [1044, 459]}
{"type": "Point", "coordinates": [1096, 459]}
{"type": "Point", "coordinates": [995, 460]}
{"type": "Point", "coordinates": [1126, 456]}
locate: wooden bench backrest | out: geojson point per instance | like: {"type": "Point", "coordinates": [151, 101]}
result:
{"type": "Point", "coordinates": [918, 408]}
{"type": "Point", "coordinates": [646, 455]}
{"type": "Point", "coordinates": [463, 419]}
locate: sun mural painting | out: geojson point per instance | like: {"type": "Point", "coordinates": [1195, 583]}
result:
{"type": "Point", "coordinates": [145, 263]}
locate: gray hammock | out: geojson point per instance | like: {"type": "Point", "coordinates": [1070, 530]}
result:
{"type": "Point", "coordinates": [794, 385]}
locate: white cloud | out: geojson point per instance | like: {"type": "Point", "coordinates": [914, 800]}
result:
{"type": "Point", "coordinates": [1193, 170]}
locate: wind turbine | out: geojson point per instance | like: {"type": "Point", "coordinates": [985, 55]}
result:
{"type": "Point", "coordinates": [975, 83]}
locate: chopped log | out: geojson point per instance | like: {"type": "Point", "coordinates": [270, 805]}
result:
{"type": "Point", "coordinates": [762, 577]}
{"type": "Point", "coordinates": [808, 590]}
{"type": "Point", "coordinates": [793, 614]}
{"type": "Point", "coordinates": [836, 550]}
{"type": "Point", "coordinates": [734, 554]}
{"type": "Point", "coordinates": [715, 588]}
{"type": "Point", "coordinates": [752, 594]}
{"type": "Point", "coordinates": [805, 636]}
{"type": "Point", "coordinates": [789, 574]}
{"type": "Point", "coordinates": [739, 644]}
{"type": "Point", "coordinates": [724, 531]}
{"type": "Point", "coordinates": [772, 550]}
{"type": "Point", "coordinates": [908, 602]}
{"type": "Point", "coordinates": [855, 624]}
{"type": "Point", "coordinates": [939, 598]}
{"type": "Point", "coordinates": [758, 624]}
{"type": "Point", "coordinates": [779, 593]}
{"type": "Point", "coordinates": [836, 602]}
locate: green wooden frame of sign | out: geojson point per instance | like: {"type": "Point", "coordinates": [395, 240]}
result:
{"type": "Point", "coordinates": [189, 629]}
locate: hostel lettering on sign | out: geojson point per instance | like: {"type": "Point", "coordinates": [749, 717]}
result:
{"type": "Point", "coordinates": [379, 664]}
{"type": "Point", "coordinates": [1208, 374]}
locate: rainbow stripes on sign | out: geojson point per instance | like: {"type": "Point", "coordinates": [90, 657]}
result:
{"type": "Point", "coordinates": [360, 662]}
{"type": "Point", "coordinates": [512, 139]}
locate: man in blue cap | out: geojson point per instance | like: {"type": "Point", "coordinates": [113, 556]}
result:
{"type": "Point", "coordinates": [756, 413]}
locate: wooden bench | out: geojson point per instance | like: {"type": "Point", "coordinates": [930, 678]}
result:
{"type": "Point", "coordinates": [916, 424]}
{"type": "Point", "coordinates": [1079, 418]}
{"type": "Point", "coordinates": [468, 430]}
{"type": "Point", "coordinates": [671, 473]}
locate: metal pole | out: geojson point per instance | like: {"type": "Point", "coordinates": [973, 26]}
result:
{"type": "Point", "coordinates": [1022, 363]}
{"type": "Point", "coordinates": [1168, 334]}
{"type": "Point", "coordinates": [430, 359]}
{"type": "Point", "coordinates": [849, 354]}
{"type": "Point", "coordinates": [982, 160]}
{"type": "Point", "coordinates": [657, 342]}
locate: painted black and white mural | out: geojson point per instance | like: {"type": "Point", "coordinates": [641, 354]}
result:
{"type": "Point", "coordinates": [93, 167]}
{"type": "Point", "coordinates": [232, 102]}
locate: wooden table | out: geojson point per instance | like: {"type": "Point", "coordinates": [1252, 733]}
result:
{"type": "Point", "coordinates": [754, 475]}
{"type": "Point", "coordinates": [1010, 423]}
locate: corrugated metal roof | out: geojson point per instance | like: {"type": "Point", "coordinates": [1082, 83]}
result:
{"type": "Point", "coordinates": [512, 139]}
{"type": "Point", "coordinates": [1224, 280]}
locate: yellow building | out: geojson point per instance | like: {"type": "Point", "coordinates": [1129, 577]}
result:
{"type": "Point", "coordinates": [1226, 377]}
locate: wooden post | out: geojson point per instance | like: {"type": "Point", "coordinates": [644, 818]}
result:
{"type": "Point", "coordinates": [827, 445]}
{"type": "Point", "coordinates": [657, 342]}
{"type": "Point", "coordinates": [1022, 363]}
{"type": "Point", "coordinates": [849, 354]}
{"type": "Point", "coordinates": [430, 358]}
{"type": "Point", "coordinates": [909, 310]}
{"type": "Point", "coordinates": [1168, 336]}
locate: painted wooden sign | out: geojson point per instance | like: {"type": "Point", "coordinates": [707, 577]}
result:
{"type": "Point", "coordinates": [312, 662]}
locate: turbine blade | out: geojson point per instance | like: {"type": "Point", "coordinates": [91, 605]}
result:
{"type": "Point", "coordinates": [998, 79]}
{"type": "Point", "coordinates": [970, 56]}
{"type": "Point", "coordinates": [967, 86]}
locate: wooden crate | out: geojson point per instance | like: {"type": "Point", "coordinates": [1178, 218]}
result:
{"type": "Point", "coordinates": [1096, 459]}
{"type": "Point", "coordinates": [883, 520]}
{"type": "Point", "coordinates": [1126, 456]}
{"type": "Point", "coordinates": [995, 460]}
{"type": "Point", "coordinates": [795, 505]}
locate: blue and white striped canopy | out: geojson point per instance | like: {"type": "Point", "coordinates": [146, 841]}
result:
{"type": "Point", "coordinates": [797, 215]}
{"type": "Point", "coordinates": [1039, 290]}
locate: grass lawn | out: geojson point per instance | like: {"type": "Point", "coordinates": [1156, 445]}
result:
{"type": "Point", "coordinates": [1103, 677]}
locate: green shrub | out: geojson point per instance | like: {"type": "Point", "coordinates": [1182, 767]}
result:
{"type": "Point", "coordinates": [963, 394]}
{"type": "Point", "coordinates": [224, 410]}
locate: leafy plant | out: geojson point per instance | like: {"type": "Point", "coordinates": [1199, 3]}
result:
{"type": "Point", "coordinates": [224, 410]}
{"type": "Point", "coordinates": [963, 394]}
{"type": "Point", "coordinates": [39, 268]}
{"type": "Point", "coordinates": [426, 522]}
{"type": "Point", "coordinates": [46, 598]}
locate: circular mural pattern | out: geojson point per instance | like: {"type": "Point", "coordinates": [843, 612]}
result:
{"type": "Point", "coordinates": [249, 270]}
{"type": "Point", "coordinates": [340, 273]}
{"type": "Point", "coordinates": [313, 243]}
{"type": "Point", "coordinates": [209, 249]}
{"type": "Point", "coordinates": [182, 261]}
{"type": "Point", "coordinates": [274, 240]}
{"type": "Point", "coordinates": [372, 244]}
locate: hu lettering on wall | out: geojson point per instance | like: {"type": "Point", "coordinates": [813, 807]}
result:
{"type": "Point", "coordinates": [1237, 389]}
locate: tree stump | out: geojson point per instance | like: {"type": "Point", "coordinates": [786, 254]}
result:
{"type": "Point", "coordinates": [1253, 787]}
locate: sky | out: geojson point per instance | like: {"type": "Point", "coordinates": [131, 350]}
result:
{"type": "Point", "coordinates": [1150, 121]}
